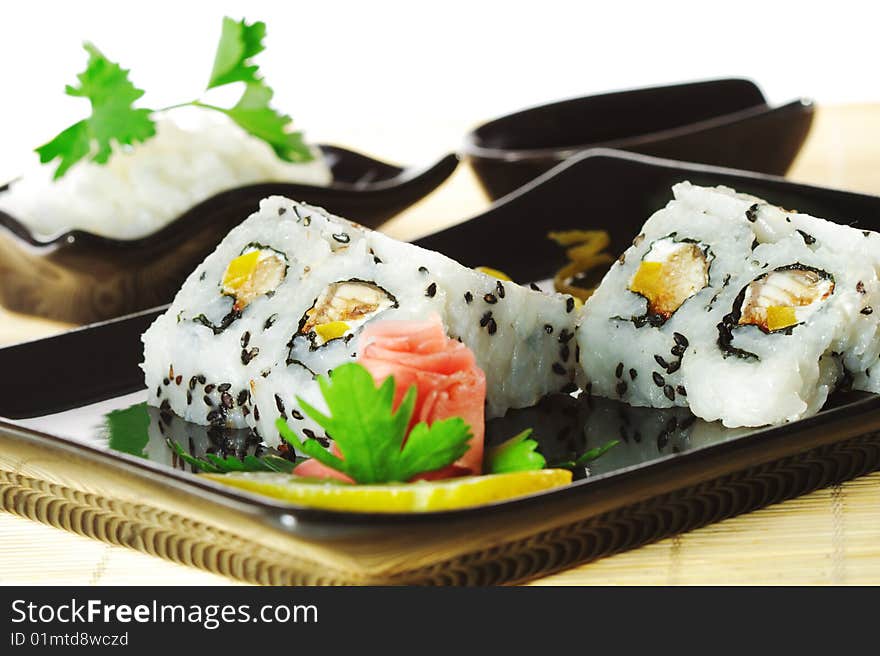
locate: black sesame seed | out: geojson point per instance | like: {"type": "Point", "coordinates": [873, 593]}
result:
{"type": "Point", "coordinates": [192, 382]}
{"type": "Point", "coordinates": [621, 388]}
{"type": "Point", "coordinates": [377, 259]}
{"type": "Point", "coordinates": [209, 388]}
{"type": "Point", "coordinates": [309, 433]}
{"type": "Point", "coordinates": [673, 366]}
{"type": "Point", "coordinates": [680, 339]}
{"type": "Point", "coordinates": [677, 351]}
{"type": "Point", "coordinates": [484, 320]}
{"type": "Point", "coordinates": [159, 390]}
{"type": "Point", "coordinates": [658, 379]}
{"type": "Point", "coordinates": [207, 400]}
{"type": "Point", "coordinates": [423, 269]}
{"type": "Point", "coordinates": [752, 213]}
{"type": "Point", "coordinates": [201, 379]}
{"type": "Point", "coordinates": [271, 320]}
{"type": "Point", "coordinates": [282, 211]}
{"type": "Point", "coordinates": [559, 368]}
{"type": "Point", "coordinates": [490, 299]}
{"type": "Point", "coordinates": [296, 414]}
{"type": "Point", "coordinates": [491, 327]}
{"type": "Point", "coordinates": [569, 304]}
{"type": "Point", "coordinates": [342, 238]}
{"type": "Point", "coordinates": [214, 415]}
{"type": "Point", "coordinates": [669, 392]}
{"type": "Point", "coordinates": [280, 405]}
{"type": "Point", "coordinates": [226, 400]}
{"type": "Point", "coordinates": [431, 290]}
{"type": "Point", "coordinates": [468, 297]}
{"type": "Point", "coordinates": [681, 390]}
{"type": "Point", "coordinates": [867, 233]}
{"type": "Point", "coordinates": [242, 397]}
{"type": "Point", "coordinates": [534, 287]}
{"type": "Point", "coordinates": [619, 371]}
{"type": "Point", "coordinates": [659, 360]}
{"type": "Point", "coordinates": [565, 336]}
{"type": "Point", "coordinates": [548, 329]}
{"type": "Point", "coordinates": [165, 381]}
{"type": "Point", "coordinates": [867, 310]}
{"type": "Point", "coordinates": [189, 397]}
{"type": "Point", "coordinates": [808, 238]}
{"type": "Point", "coordinates": [564, 353]}
{"type": "Point", "coordinates": [256, 413]}
{"type": "Point", "coordinates": [224, 387]}
{"type": "Point", "coordinates": [499, 289]}
{"type": "Point", "coordinates": [203, 274]}
{"type": "Point", "coordinates": [633, 374]}
{"type": "Point", "coordinates": [245, 339]}
{"type": "Point", "coordinates": [247, 356]}
{"type": "Point", "coordinates": [860, 287]}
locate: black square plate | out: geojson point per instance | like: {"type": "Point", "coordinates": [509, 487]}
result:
{"type": "Point", "coordinates": [668, 473]}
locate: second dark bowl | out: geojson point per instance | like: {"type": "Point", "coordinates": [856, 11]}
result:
{"type": "Point", "coordinates": [722, 122]}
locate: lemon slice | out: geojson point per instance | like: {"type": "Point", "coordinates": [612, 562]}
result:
{"type": "Point", "coordinates": [422, 496]}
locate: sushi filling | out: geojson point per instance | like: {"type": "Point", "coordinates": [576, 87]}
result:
{"type": "Point", "coordinates": [670, 273]}
{"type": "Point", "coordinates": [342, 308]}
{"type": "Point", "coordinates": [256, 272]}
{"type": "Point", "coordinates": [784, 297]}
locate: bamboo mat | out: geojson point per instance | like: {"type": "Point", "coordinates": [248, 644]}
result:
{"type": "Point", "coordinates": [831, 536]}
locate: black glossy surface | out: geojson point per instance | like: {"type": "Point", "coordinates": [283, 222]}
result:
{"type": "Point", "coordinates": [725, 122]}
{"type": "Point", "coordinates": [80, 277]}
{"type": "Point", "coordinates": [601, 189]}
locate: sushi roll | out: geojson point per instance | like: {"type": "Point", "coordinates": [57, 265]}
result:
{"type": "Point", "coordinates": [286, 295]}
{"type": "Point", "coordinates": [740, 310]}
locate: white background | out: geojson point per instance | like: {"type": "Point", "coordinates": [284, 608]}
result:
{"type": "Point", "coordinates": [403, 79]}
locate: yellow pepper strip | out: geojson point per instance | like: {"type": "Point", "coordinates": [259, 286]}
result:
{"type": "Point", "coordinates": [563, 277]}
{"type": "Point", "coordinates": [495, 273]}
{"type": "Point", "coordinates": [780, 316]}
{"type": "Point", "coordinates": [239, 271]}
{"type": "Point", "coordinates": [331, 330]}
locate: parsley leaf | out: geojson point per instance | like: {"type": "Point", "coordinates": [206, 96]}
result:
{"type": "Point", "coordinates": [114, 120]}
{"type": "Point", "coordinates": [516, 454]}
{"type": "Point", "coordinates": [238, 43]}
{"type": "Point", "coordinates": [253, 113]}
{"type": "Point", "coordinates": [214, 464]}
{"type": "Point", "coordinates": [370, 434]}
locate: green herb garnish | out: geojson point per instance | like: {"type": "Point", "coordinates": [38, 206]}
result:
{"type": "Point", "coordinates": [587, 456]}
{"type": "Point", "coordinates": [128, 429]}
{"type": "Point", "coordinates": [214, 464]}
{"type": "Point", "coordinates": [370, 434]}
{"type": "Point", "coordinates": [115, 120]}
{"type": "Point", "coordinates": [516, 454]}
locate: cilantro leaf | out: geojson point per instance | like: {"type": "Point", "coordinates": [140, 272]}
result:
{"type": "Point", "coordinates": [239, 42]}
{"type": "Point", "coordinates": [516, 454]}
{"type": "Point", "coordinates": [370, 434]}
{"type": "Point", "coordinates": [214, 464]}
{"type": "Point", "coordinates": [253, 113]}
{"type": "Point", "coordinates": [113, 120]}
{"type": "Point", "coordinates": [587, 456]}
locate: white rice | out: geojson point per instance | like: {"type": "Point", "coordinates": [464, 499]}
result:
{"type": "Point", "coordinates": [522, 339]}
{"type": "Point", "coordinates": [765, 378]}
{"type": "Point", "coordinates": [194, 155]}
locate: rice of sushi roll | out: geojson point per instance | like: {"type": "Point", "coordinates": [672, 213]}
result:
{"type": "Point", "coordinates": [740, 310]}
{"type": "Point", "coordinates": [285, 296]}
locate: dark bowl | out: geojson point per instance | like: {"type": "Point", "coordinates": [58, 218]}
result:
{"type": "Point", "coordinates": [723, 122]}
{"type": "Point", "coordinates": [81, 277]}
